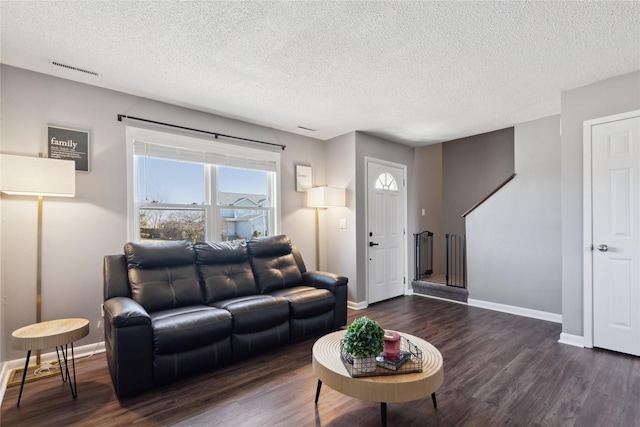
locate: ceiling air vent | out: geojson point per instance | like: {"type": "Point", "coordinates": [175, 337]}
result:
{"type": "Point", "coordinates": [71, 67]}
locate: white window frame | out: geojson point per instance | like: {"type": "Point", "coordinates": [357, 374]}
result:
{"type": "Point", "coordinates": [218, 208]}
{"type": "Point", "coordinates": [236, 155]}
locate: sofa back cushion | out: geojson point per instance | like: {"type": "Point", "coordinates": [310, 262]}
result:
{"type": "Point", "coordinates": [163, 275]}
{"type": "Point", "coordinates": [225, 270]}
{"type": "Point", "coordinates": [274, 266]}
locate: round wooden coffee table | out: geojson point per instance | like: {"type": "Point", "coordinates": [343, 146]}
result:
{"type": "Point", "coordinates": [53, 333]}
{"type": "Point", "coordinates": [330, 370]}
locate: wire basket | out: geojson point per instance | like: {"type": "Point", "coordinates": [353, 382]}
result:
{"type": "Point", "coordinates": [409, 361]}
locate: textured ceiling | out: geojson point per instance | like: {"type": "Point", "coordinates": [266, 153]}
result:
{"type": "Point", "coordinates": [413, 72]}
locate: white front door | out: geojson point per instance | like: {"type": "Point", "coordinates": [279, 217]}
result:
{"type": "Point", "coordinates": [386, 236]}
{"type": "Point", "coordinates": [616, 235]}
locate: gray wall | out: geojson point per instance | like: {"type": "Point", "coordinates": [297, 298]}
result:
{"type": "Point", "coordinates": [340, 243]}
{"type": "Point", "coordinates": [472, 168]}
{"type": "Point", "coordinates": [78, 232]}
{"type": "Point", "coordinates": [428, 184]}
{"type": "Point", "coordinates": [514, 238]}
{"type": "Point", "coordinates": [612, 96]}
{"type": "Point", "coordinates": [453, 176]}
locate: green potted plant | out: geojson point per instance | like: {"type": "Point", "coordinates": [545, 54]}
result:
{"type": "Point", "coordinates": [364, 340]}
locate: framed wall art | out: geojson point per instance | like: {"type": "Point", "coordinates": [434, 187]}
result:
{"type": "Point", "coordinates": [304, 178]}
{"type": "Point", "coordinates": [69, 144]}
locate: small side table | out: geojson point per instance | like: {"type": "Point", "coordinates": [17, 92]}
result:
{"type": "Point", "coordinates": [53, 333]}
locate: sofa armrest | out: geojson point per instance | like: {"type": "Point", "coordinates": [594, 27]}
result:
{"type": "Point", "coordinates": [334, 283]}
{"type": "Point", "coordinates": [124, 312]}
{"type": "Point", "coordinates": [128, 345]}
{"type": "Point", "coordinates": [324, 280]}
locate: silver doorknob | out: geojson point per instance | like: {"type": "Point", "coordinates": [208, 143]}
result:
{"type": "Point", "coordinates": [603, 248]}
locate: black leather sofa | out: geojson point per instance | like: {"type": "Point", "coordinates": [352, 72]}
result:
{"type": "Point", "coordinates": [176, 308]}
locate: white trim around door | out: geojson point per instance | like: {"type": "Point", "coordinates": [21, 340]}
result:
{"type": "Point", "coordinates": [588, 220]}
{"type": "Point", "coordinates": [365, 242]}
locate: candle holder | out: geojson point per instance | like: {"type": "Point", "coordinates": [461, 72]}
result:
{"type": "Point", "coordinates": [391, 345]}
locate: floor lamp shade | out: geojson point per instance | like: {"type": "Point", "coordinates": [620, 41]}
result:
{"type": "Point", "coordinates": [37, 176]}
{"type": "Point", "coordinates": [325, 197]}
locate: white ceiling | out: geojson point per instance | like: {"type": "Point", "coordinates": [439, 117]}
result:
{"type": "Point", "coordinates": [412, 72]}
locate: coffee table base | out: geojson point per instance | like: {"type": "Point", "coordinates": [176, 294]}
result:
{"type": "Point", "coordinates": [383, 405]}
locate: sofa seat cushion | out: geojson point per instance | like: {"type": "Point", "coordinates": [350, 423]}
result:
{"type": "Point", "coordinates": [256, 312]}
{"type": "Point", "coordinates": [182, 329]}
{"type": "Point", "coordinates": [306, 302]}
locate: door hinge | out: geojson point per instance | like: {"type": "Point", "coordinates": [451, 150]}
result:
{"type": "Point", "coordinates": [404, 280]}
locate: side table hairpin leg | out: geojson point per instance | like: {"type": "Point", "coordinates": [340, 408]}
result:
{"type": "Point", "coordinates": [24, 376]}
{"type": "Point", "coordinates": [60, 366]}
{"type": "Point", "coordinates": [67, 377]}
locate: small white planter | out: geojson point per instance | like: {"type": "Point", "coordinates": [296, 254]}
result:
{"type": "Point", "coordinates": [365, 364]}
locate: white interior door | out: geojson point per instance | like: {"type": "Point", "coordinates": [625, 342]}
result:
{"type": "Point", "coordinates": [616, 235]}
{"type": "Point", "coordinates": [385, 222]}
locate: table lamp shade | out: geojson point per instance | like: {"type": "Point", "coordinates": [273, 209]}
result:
{"type": "Point", "coordinates": [325, 197]}
{"type": "Point", "coordinates": [37, 176]}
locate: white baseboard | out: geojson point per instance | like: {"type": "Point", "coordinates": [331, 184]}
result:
{"type": "Point", "coordinates": [363, 304]}
{"type": "Point", "coordinates": [441, 299]}
{"type": "Point", "coordinates": [357, 305]}
{"type": "Point", "coordinates": [574, 340]}
{"type": "Point", "coordinates": [79, 353]}
{"type": "Point", "coordinates": [520, 311]}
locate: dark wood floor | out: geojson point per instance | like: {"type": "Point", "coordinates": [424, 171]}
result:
{"type": "Point", "coordinates": [500, 369]}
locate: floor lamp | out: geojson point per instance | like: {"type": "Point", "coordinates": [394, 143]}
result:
{"type": "Point", "coordinates": [323, 197]}
{"type": "Point", "coordinates": [40, 177]}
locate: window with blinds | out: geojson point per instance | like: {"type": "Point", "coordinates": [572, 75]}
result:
{"type": "Point", "coordinates": [183, 187]}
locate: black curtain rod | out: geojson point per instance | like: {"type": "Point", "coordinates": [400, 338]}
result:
{"type": "Point", "coordinates": [215, 134]}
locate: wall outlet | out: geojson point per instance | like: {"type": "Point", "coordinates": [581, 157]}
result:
{"type": "Point", "coordinates": [343, 223]}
